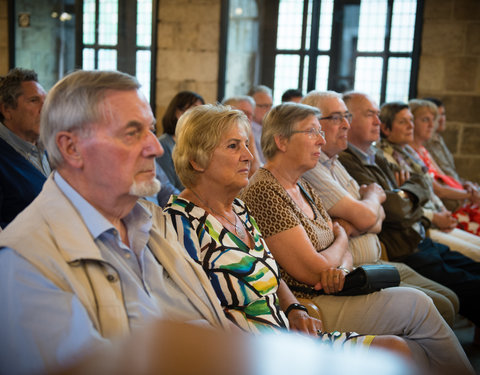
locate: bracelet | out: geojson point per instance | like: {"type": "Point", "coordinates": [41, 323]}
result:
{"type": "Point", "coordinates": [343, 269]}
{"type": "Point", "coordinates": [295, 306]}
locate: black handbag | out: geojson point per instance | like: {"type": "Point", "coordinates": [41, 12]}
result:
{"type": "Point", "coordinates": [369, 278]}
{"type": "Point", "coordinates": [364, 279]}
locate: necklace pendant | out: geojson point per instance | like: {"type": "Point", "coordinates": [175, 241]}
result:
{"type": "Point", "coordinates": [240, 231]}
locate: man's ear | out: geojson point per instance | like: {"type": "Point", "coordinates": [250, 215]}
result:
{"type": "Point", "coordinates": [5, 110]}
{"type": "Point", "coordinates": [67, 143]}
{"type": "Point", "coordinates": [281, 142]}
{"type": "Point", "coordinates": [196, 166]}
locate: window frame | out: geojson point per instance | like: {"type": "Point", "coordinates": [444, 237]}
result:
{"type": "Point", "coordinates": [269, 23]}
{"type": "Point", "coordinates": [126, 46]}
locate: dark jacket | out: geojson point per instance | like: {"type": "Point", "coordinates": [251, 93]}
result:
{"type": "Point", "coordinates": [402, 214]}
{"type": "Point", "coordinates": [20, 183]}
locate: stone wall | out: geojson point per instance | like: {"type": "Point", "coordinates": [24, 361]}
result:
{"type": "Point", "coordinates": [187, 50]}
{"type": "Point", "coordinates": [450, 70]}
{"type": "Point", "coordinates": [3, 37]}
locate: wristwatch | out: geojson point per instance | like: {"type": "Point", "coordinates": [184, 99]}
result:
{"type": "Point", "coordinates": [295, 306]}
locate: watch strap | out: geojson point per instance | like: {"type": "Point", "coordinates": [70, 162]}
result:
{"type": "Point", "coordinates": [295, 306]}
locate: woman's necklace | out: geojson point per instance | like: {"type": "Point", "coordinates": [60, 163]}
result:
{"type": "Point", "coordinates": [239, 229]}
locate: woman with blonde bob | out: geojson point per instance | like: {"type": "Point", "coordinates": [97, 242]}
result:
{"type": "Point", "coordinates": [213, 161]}
{"type": "Point", "coordinates": [313, 252]}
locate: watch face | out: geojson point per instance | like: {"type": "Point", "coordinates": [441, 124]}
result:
{"type": "Point", "coordinates": [24, 19]}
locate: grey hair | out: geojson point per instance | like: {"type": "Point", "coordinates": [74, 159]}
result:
{"type": "Point", "coordinates": [75, 103]}
{"type": "Point", "coordinates": [281, 121]}
{"type": "Point", "coordinates": [416, 104]}
{"type": "Point", "coordinates": [260, 88]}
{"type": "Point", "coordinates": [316, 98]}
{"type": "Point", "coordinates": [233, 100]}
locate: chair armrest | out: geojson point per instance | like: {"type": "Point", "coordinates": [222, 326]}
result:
{"type": "Point", "coordinates": [313, 309]}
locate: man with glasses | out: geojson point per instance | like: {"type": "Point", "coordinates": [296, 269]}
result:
{"type": "Point", "coordinates": [359, 208]}
{"type": "Point", "coordinates": [263, 104]}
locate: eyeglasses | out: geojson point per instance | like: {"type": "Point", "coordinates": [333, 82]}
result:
{"type": "Point", "coordinates": [312, 133]}
{"type": "Point", "coordinates": [337, 118]}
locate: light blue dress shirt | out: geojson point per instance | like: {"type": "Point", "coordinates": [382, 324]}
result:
{"type": "Point", "coordinates": [42, 325]}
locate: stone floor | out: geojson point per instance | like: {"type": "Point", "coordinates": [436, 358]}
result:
{"type": "Point", "coordinates": [464, 330]}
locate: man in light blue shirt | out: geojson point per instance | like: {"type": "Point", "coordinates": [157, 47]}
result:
{"type": "Point", "coordinates": [87, 261]}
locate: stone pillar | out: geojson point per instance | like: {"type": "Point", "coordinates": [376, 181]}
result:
{"type": "Point", "coordinates": [187, 50]}
{"type": "Point", "coordinates": [450, 70]}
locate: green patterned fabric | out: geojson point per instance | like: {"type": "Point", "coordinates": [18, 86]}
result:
{"type": "Point", "coordinates": [245, 280]}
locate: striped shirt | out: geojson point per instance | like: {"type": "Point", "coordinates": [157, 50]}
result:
{"type": "Point", "coordinates": [332, 182]}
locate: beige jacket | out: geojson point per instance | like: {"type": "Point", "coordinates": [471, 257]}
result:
{"type": "Point", "coordinates": [52, 236]}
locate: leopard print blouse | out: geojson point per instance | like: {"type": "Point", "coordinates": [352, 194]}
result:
{"type": "Point", "coordinates": [275, 211]}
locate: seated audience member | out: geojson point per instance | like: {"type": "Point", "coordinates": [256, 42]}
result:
{"type": "Point", "coordinates": [313, 252]}
{"type": "Point", "coordinates": [397, 130]}
{"type": "Point", "coordinates": [212, 159]}
{"type": "Point", "coordinates": [292, 95]}
{"type": "Point", "coordinates": [263, 104]}
{"type": "Point", "coordinates": [23, 163]}
{"type": "Point", "coordinates": [359, 209]}
{"type": "Point", "coordinates": [442, 156]}
{"type": "Point", "coordinates": [246, 104]}
{"type": "Point", "coordinates": [87, 262]}
{"type": "Point", "coordinates": [425, 113]}
{"type": "Point", "coordinates": [403, 232]}
{"type": "Point", "coordinates": [178, 105]}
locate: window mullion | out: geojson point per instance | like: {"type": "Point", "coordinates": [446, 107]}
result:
{"type": "Point", "coordinates": [127, 21]}
{"type": "Point", "coordinates": [416, 50]}
{"type": "Point", "coordinates": [303, 47]}
{"type": "Point", "coordinates": [97, 23]}
{"type": "Point", "coordinates": [386, 51]}
{"type": "Point", "coordinates": [313, 51]}
{"type": "Point", "coordinates": [335, 46]}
